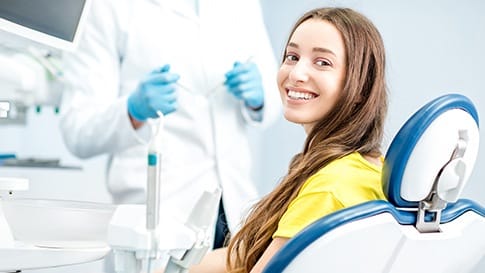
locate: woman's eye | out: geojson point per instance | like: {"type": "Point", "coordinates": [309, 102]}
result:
{"type": "Point", "coordinates": [291, 58]}
{"type": "Point", "coordinates": [323, 63]}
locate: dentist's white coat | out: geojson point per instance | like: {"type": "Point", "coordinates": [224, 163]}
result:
{"type": "Point", "coordinates": [206, 141]}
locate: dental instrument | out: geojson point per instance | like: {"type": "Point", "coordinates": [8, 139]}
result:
{"type": "Point", "coordinates": [153, 185]}
{"type": "Point", "coordinates": [137, 246]}
{"type": "Point", "coordinates": [199, 220]}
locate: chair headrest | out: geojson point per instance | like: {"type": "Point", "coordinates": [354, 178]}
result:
{"type": "Point", "coordinates": [435, 150]}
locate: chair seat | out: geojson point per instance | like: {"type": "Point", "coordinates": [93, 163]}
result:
{"type": "Point", "coordinates": [376, 237]}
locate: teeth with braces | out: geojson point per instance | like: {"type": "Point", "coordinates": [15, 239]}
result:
{"type": "Point", "coordinates": [300, 95]}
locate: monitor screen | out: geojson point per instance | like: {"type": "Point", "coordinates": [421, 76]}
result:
{"type": "Point", "coordinates": [55, 23]}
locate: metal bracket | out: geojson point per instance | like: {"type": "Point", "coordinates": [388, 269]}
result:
{"type": "Point", "coordinates": [430, 208]}
{"type": "Point", "coordinates": [429, 211]}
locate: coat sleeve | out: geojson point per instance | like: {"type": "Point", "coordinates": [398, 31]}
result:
{"type": "Point", "coordinates": [94, 117]}
{"type": "Point", "coordinates": [266, 61]}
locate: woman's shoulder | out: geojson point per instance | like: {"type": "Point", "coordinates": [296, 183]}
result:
{"type": "Point", "coordinates": [345, 172]}
{"type": "Point", "coordinates": [349, 163]}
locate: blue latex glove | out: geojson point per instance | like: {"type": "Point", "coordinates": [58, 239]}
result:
{"type": "Point", "coordinates": [244, 82]}
{"type": "Point", "coordinates": [154, 93]}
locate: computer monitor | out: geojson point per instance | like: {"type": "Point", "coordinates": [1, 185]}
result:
{"type": "Point", "coordinates": [55, 23]}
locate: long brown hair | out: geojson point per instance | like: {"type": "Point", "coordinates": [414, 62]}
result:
{"type": "Point", "coordinates": [355, 124]}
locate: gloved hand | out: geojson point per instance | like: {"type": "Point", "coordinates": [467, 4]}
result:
{"type": "Point", "coordinates": [244, 82]}
{"type": "Point", "coordinates": [154, 93]}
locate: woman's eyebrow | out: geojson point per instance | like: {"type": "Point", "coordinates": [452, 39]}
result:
{"type": "Point", "coordinates": [315, 49]}
{"type": "Point", "coordinates": [291, 44]}
{"type": "Point", "coordinates": [323, 50]}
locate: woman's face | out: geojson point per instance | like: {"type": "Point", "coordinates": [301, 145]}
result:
{"type": "Point", "coordinates": [313, 72]}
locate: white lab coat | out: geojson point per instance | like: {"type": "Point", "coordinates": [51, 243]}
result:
{"type": "Point", "coordinates": [206, 142]}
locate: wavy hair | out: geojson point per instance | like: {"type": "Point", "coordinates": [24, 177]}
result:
{"type": "Point", "coordinates": [354, 124]}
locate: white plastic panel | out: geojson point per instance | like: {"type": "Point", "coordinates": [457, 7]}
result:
{"type": "Point", "coordinates": [457, 248]}
{"type": "Point", "coordinates": [434, 149]}
{"type": "Point", "coordinates": [379, 244]}
{"type": "Point", "coordinates": [13, 184]}
{"type": "Point", "coordinates": [364, 244]}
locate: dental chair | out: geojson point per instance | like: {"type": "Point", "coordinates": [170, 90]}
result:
{"type": "Point", "coordinates": [424, 226]}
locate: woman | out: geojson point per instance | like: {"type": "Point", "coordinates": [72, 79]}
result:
{"type": "Point", "coordinates": [332, 83]}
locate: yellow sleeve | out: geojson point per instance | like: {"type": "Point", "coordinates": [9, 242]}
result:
{"type": "Point", "coordinates": [304, 210]}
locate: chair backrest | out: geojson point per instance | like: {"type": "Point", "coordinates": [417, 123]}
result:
{"type": "Point", "coordinates": [424, 226]}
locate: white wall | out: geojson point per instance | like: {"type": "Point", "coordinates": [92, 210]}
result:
{"type": "Point", "coordinates": [433, 48]}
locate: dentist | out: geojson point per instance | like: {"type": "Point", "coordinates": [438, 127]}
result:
{"type": "Point", "coordinates": [208, 66]}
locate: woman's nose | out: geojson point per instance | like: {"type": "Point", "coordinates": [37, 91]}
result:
{"type": "Point", "coordinates": [299, 72]}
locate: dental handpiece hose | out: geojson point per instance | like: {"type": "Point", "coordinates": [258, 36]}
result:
{"type": "Point", "coordinates": [153, 187]}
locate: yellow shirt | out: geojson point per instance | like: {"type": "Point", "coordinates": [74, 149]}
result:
{"type": "Point", "coordinates": [345, 182]}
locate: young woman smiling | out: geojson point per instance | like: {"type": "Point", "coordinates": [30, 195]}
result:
{"type": "Point", "coordinates": [331, 81]}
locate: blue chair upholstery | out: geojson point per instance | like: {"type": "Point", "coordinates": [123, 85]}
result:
{"type": "Point", "coordinates": [424, 226]}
